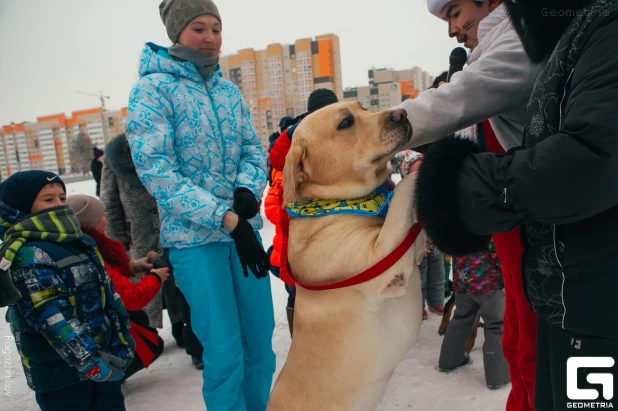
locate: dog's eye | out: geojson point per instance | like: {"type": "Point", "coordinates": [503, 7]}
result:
{"type": "Point", "coordinates": [346, 123]}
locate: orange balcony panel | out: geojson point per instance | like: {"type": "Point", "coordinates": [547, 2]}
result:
{"type": "Point", "coordinates": [77, 114]}
{"type": "Point", "coordinates": [58, 117]}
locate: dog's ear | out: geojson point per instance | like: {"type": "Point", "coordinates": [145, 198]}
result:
{"type": "Point", "coordinates": [293, 172]}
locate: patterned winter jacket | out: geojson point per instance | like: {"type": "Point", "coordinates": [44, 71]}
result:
{"type": "Point", "coordinates": [478, 274]}
{"type": "Point", "coordinates": [192, 143]}
{"type": "Point", "coordinates": [69, 311]}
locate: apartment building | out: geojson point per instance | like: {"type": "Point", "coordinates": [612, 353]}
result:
{"type": "Point", "coordinates": [277, 81]}
{"type": "Point", "coordinates": [388, 88]}
{"type": "Point", "coordinates": [45, 144]}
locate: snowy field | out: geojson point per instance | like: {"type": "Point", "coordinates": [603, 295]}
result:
{"type": "Point", "coordinates": [171, 383]}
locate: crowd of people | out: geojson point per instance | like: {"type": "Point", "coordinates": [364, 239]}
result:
{"type": "Point", "coordinates": [514, 157]}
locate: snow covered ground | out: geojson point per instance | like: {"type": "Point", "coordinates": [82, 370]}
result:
{"type": "Point", "coordinates": [171, 383]}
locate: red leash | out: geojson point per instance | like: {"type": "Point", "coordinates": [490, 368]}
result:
{"type": "Point", "coordinates": [373, 272]}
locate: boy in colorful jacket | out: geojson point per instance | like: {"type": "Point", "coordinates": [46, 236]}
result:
{"type": "Point", "coordinates": [70, 327]}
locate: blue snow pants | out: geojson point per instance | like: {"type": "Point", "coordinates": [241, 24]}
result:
{"type": "Point", "coordinates": [233, 318]}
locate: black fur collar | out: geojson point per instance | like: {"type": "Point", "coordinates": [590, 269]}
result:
{"type": "Point", "coordinates": [541, 23]}
{"type": "Point", "coordinates": [118, 155]}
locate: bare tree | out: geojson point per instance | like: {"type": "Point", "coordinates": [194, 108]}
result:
{"type": "Point", "coordinates": [81, 153]}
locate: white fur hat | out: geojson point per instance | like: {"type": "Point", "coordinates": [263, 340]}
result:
{"type": "Point", "coordinates": [435, 6]}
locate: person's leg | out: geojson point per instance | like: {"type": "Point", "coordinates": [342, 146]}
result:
{"type": "Point", "coordinates": [435, 282]}
{"type": "Point", "coordinates": [423, 268]}
{"type": "Point", "coordinates": [527, 321]}
{"type": "Point", "coordinates": [257, 322]}
{"type": "Point", "coordinates": [565, 347]}
{"type": "Point", "coordinates": [453, 350]}
{"type": "Point", "coordinates": [520, 324]}
{"type": "Point", "coordinates": [291, 290]}
{"type": "Point", "coordinates": [107, 396]}
{"type": "Point", "coordinates": [518, 397]}
{"type": "Point", "coordinates": [174, 310]}
{"type": "Point", "coordinates": [76, 397]}
{"type": "Point", "coordinates": [204, 276]}
{"type": "Point", "coordinates": [447, 276]}
{"type": "Point", "coordinates": [289, 309]}
{"type": "Point", "coordinates": [193, 347]}
{"type": "Point", "coordinates": [492, 313]}
{"type": "Point", "coordinates": [543, 396]}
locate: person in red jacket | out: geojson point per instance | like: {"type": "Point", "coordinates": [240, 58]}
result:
{"type": "Point", "coordinates": [272, 208]}
{"type": "Point", "coordinates": [148, 345]}
{"type": "Point", "coordinates": [520, 322]}
{"type": "Point", "coordinates": [273, 205]}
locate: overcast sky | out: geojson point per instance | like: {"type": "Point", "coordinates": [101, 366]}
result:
{"type": "Point", "coordinates": [51, 48]}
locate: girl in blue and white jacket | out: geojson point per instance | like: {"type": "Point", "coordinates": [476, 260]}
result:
{"type": "Point", "coordinates": [196, 151]}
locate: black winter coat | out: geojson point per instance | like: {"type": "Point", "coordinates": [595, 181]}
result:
{"type": "Point", "coordinates": [561, 187]}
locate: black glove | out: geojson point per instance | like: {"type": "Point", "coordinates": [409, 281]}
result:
{"type": "Point", "coordinates": [245, 203]}
{"type": "Point", "coordinates": [250, 252]}
{"type": "Point", "coordinates": [164, 261]}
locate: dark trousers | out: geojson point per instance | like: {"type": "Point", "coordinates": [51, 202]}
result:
{"type": "Point", "coordinates": [468, 307]}
{"type": "Point", "coordinates": [193, 347]}
{"type": "Point", "coordinates": [432, 280]}
{"type": "Point", "coordinates": [84, 396]}
{"type": "Point", "coordinates": [554, 347]}
{"type": "Point", "coordinates": [291, 290]}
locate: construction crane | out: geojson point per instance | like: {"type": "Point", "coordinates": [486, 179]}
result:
{"type": "Point", "coordinates": [100, 95]}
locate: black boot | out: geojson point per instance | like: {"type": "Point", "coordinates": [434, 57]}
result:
{"type": "Point", "coordinates": [197, 362]}
{"type": "Point", "coordinates": [177, 333]}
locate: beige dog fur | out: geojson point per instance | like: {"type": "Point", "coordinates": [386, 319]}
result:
{"type": "Point", "coordinates": [347, 342]}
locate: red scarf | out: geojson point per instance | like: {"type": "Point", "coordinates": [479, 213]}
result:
{"type": "Point", "coordinates": [112, 251]}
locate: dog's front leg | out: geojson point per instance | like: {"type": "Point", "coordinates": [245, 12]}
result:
{"type": "Point", "coordinates": [399, 219]}
{"type": "Point", "coordinates": [401, 216]}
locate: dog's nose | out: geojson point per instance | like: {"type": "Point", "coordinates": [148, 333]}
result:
{"type": "Point", "coordinates": [399, 115]}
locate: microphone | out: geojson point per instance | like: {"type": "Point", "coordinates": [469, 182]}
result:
{"type": "Point", "coordinates": [457, 60]}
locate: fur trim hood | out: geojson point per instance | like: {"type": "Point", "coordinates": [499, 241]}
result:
{"type": "Point", "coordinates": [118, 155]}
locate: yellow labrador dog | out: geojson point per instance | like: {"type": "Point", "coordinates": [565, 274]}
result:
{"type": "Point", "coordinates": [347, 341]}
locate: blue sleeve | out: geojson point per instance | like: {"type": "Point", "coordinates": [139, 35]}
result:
{"type": "Point", "coordinates": [45, 305]}
{"type": "Point", "coordinates": [150, 130]}
{"type": "Point", "coordinates": [252, 167]}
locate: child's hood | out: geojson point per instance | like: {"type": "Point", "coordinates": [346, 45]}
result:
{"type": "Point", "coordinates": [8, 217]}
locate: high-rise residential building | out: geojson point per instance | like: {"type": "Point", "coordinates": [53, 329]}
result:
{"type": "Point", "coordinates": [45, 145]}
{"type": "Point", "coordinates": [277, 81]}
{"type": "Point", "coordinates": [388, 88]}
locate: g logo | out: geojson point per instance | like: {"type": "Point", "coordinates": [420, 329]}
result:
{"type": "Point", "coordinates": [604, 379]}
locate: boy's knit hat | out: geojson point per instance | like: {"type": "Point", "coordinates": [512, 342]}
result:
{"type": "Point", "coordinates": [20, 190]}
{"type": "Point", "coordinates": [320, 98]}
{"type": "Point", "coordinates": [88, 210]}
{"type": "Point", "coordinates": [176, 14]}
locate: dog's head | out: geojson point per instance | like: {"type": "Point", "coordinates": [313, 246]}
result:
{"type": "Point", "coordinates": [341, 152]}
